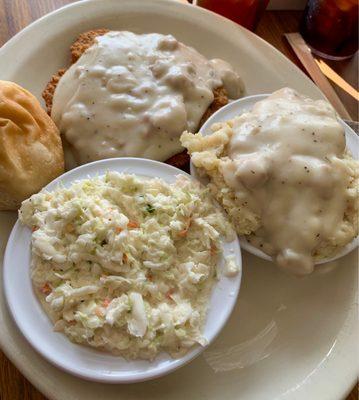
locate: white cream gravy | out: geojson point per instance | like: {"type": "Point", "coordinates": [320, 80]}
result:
{"type": "Point", "coordinates": [133, 95]}
{"type": "Point", "coordinates": [286, 156]}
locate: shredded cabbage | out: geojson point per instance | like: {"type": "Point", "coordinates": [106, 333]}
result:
{"type": "Point", "coordinates": [125, 264]}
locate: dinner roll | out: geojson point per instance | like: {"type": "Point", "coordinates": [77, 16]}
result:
{"type": "Point", "coordinates": [31, 152]}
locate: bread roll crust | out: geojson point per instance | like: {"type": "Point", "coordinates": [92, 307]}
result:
{"type": "Point", "coordinates": [31, 152]}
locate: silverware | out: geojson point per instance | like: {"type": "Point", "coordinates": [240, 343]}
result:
{"type": "Point", "coordinates": [305, 56]}
{"type": "Point", "coordinates": [338, 80]}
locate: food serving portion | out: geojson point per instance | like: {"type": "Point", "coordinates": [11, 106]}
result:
{"type": "Point", "coordinates": [31, 153]}
{"type": "Point", "coordinates": [284, 176]}
{"type": "Point", "coordinates": [133, 94]}
{"type": "Point", "coordinates": [128, 265]}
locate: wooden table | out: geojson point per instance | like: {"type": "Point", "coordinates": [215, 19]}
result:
{"type": "Point", "coordinates": [16, 14]}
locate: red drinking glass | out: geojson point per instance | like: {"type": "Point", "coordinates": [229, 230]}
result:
{"type": "Point", "coordinates": [245, 12]}
{"type": "Point", "coordinates": [330, 27]}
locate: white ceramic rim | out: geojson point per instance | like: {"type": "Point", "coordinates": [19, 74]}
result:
{"type": "Point", "coordinates": [245, 103]}
{"type": "Point", "coordinates": [150, 169]}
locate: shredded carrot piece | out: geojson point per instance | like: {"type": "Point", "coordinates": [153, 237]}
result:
{"type": "Point", "coordinates": [118, 229]}
{"type": "Point", "coordinates": [106, 302]}
{"type": "Point", "coordinates": [35, 228]}
{"type": "Point", "coordinates": [184, 232]}
{"type": "Point", "coordinates": [132, 224]}
{"type": "Point", "coordinates": [98, 312]}
{"type": "Point", "coordinates": [46, 289]}
{"type": "Point", "coordinates": [169, 293]}
{"type": "Point", "coordinates": [213, 250]}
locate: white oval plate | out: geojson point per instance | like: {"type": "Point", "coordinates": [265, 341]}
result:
{"type": "Point", "coordinates": [83, 361]}
{"type": "Point", "coordinates": [288, 337]}
{"type": "Point", "coordinates": [238, 107]}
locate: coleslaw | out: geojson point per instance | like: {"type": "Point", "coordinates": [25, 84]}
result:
{"type": "Point", "coordinates": [127, 265]}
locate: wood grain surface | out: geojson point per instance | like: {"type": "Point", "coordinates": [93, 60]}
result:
{"type": "Point", "coordinates": [16, 14]}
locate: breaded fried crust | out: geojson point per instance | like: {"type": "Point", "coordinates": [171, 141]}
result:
{"type": "Point", "coordinates": [220, 100]}
{"type": "Point", "coordinates": [86, 40]}
{"type": "Point", "coordinates": [49, 90]}
{"type": "Point", "coordinates": [83, 42]}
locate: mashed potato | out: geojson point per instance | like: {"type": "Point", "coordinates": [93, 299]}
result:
{"type": "Point", "coordinates": [284, 177]}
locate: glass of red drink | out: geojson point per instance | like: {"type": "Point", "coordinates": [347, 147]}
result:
{"type": "Point", "coordinates": [245, 12]}
{"type": "Point", "coordinates": [330, 27]}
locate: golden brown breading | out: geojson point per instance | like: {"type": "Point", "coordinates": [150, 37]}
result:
{"type": "Point", "coordinates": [83, 42]}
{"type": "Point", "coordinates": [86, 40]}
{"type": "Point", "coordinates": [49, 90]}
{"type": "Point", "coordinates": [180, 160]}
{"type": "Point", "coordinates": [220, 100]}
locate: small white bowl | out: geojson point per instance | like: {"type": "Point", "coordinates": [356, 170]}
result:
{"type": "Point", "coordinates": [238, 107]}
{"type": "Point", "coordinates": [86, 362]}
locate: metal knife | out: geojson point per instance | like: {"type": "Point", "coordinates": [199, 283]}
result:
{"type": "Point", "coordinates": [304, 54]}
